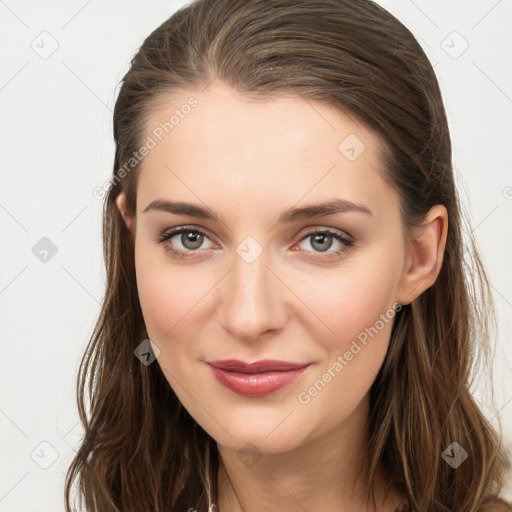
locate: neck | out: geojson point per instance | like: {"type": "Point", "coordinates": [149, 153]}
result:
{"type": "Point", "coordinates": [325, 473]}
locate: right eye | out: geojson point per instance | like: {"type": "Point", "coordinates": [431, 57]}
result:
{"type": "Point", "coordinates": [187, 241]}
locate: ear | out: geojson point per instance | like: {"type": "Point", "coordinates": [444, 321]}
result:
{"type": "Point", "coordinates": [122, 207]}
{"type": "Point", "coordinates": [425, 255]}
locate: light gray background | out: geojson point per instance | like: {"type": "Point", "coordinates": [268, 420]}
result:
{"type": "Point", "coordinates": [56, 140]}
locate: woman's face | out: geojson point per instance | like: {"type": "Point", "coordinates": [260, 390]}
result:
{"type": "Point", "coordinates": [300, 260]}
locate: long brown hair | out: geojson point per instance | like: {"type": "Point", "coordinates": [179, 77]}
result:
{"type": "Point", "coordinates": [142, 451]}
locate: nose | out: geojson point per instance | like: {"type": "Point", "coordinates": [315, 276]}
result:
{"type": "Point", "coordinates": [252, 300]}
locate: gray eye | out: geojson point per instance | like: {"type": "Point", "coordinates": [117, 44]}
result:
{"type": "Point", "coordinates": [321, 241]}
{"type": "Point", "coordinates": [191, 239]}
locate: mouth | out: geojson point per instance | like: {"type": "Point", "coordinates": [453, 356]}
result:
{"type": "Point", "coordinates": [259, 378]}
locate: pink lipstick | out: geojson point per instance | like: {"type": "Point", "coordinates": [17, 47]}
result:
{"type": "Point", "coordinates": [258, 378]}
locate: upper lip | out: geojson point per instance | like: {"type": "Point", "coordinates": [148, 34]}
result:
{"type": "Point", "coordinates": [266, 365]}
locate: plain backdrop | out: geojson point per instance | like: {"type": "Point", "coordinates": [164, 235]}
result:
{"type": "Point", "coordinates": [61, 66]}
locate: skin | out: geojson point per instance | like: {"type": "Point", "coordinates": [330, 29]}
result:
{"type": "Point", "coordinates": [248, 161]}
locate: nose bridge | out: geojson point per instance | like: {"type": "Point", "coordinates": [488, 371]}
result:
{"type": "Point", "coordinates": [251, 304]}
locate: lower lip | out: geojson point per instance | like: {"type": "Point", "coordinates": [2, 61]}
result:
{"type": "Point", "coordinates": [256, 384]}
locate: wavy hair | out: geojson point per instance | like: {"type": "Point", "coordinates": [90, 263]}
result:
{"type": "Point", "coordinates": [141, 450]}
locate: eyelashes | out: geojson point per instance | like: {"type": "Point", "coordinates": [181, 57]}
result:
{"type": "Point", "coordinates": [196, 237]}
{"type": "Point", "coordinates": [165, 238]}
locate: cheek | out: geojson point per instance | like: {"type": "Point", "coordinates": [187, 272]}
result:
{"type": "Point", "coordinates": [358, 306]}
{"type": "Point", "coordinates": [165, 294]}
{"type": "Point", "coordinates": [352, 299]}
{"type": "Point", "coordinates": [361, 316]}
{"type": "Point", "coordinates": [175, 304]}
{"type": "Point", "coordinates": [362, 302]}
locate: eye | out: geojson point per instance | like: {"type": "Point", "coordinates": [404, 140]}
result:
{"type": "Point", "coordinates": [321, 241]}
{"type": "Point", "coordinates": [186, 241]}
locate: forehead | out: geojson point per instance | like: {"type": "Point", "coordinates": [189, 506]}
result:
{"type": "Point", "coordinates": [262, 127]}
{"type": "Point", "coordinates": [286, 147]}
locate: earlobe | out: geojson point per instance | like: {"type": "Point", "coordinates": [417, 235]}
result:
{"type": "Point", "coordinates": [122, 207]}
{"type": "Point", "coordinates": [425, 255]}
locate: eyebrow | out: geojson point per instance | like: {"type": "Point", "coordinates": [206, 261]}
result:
{"type": "Point", "coordinates": [292, 214]}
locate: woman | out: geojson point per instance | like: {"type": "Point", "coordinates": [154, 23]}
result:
{"type": "Point", "coordinates": [289, 321]}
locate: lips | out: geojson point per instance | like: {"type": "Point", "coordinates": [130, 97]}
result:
{"type": "Point", "coordinates": [258, 378]}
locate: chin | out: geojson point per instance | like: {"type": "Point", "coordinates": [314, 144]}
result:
{"type": "Point", "coordinates": [258, 432]}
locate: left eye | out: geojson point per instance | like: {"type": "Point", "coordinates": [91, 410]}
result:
{"type": "Point", "coordinates": [322, 241]}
